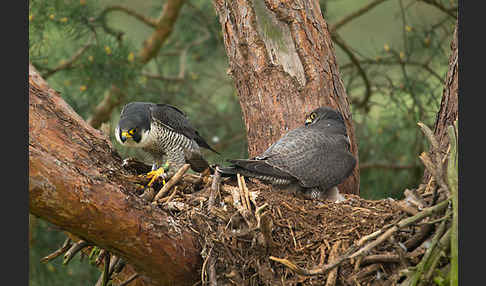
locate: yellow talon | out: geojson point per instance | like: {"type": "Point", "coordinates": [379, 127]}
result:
{"type": "Point", "coordinates": [154, 175]}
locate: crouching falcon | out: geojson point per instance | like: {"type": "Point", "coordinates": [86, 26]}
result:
{"type": "Point", "coordinates": [310, 160]}
{"type": "Point", "coordinates": [162, 130]}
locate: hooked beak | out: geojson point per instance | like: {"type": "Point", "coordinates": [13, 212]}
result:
{"type": "Point", "coordinates": [308, 121]}
{"type": "Point", "coordinates": [124, 135]}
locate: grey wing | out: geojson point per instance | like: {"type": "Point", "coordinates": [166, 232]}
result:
{"type": "Point", "coordinates": [315, 159]}
{"type": "Point", "coordinates": [176, 120]}
{"type": "Point", "coordinates": [259, 167]}
{"type": "Point", "coordinates": [172, 118]}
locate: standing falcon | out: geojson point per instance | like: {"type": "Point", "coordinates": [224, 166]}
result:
{"type": "Point", "coordinates": [314, 158]}
{"type": "Point", "coordinates": [162, 130]}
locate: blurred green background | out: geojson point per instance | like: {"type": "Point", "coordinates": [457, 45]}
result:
{"type": "Point", "coordinates": [402, 47]}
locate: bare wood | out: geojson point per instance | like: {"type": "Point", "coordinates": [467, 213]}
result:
{"type": "Point", "coordinates": [174, 180]}
{"type": "Point", "coordinates": [75, 248]}
{"type": "Point", "coordinates": [65, 246]}
{"type": "Point", "coordinates": [332, 276]}
{"type": "Point", "coordinates": [214, 188]}
{"type": "Point", "coordinates": [130, 279]}
{"type": "Point", "coordinates": [77, 182]}
{"type": "Point", "coordinates": [448, 111]}
{"type": "Point", "coordinates": [405, 207]}
{"type": "Point", "coordinates": [380, 258]}
{"type": "Point", "coordinates": [403, 223]}
{"type": "Point", "coordinates": [283, 64]}
{"type": "Point", "coordinates": [101, 257]}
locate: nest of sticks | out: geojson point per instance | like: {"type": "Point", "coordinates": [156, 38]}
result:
{"type": "Point", "coordinates": [252, 234]}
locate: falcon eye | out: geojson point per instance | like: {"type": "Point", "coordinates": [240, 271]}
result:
{"type": "Point", "coordinates": [313, 116]}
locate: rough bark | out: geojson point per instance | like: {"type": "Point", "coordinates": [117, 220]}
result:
{"type": "Point", "coordinates": [77, 183]}
{"type": "Point", "coordinates": [448, 111]}
{"type": "Point", "coordinates": [282, 60]}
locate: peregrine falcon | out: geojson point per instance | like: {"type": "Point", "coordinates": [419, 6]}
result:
{"type": "Point", "coordinates": [312, 159]}
{"type": "Point", "coordinates": [162, 130]}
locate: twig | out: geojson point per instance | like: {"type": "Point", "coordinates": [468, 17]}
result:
{"type": "Point", "coordinates": [103, 110]}
{"type": "Point", "coordinates": [420, 268]}
{"type": "Point", "coordinates": [238, 202]}
{"type": "Point", "coordinates": [354, 15]}
{"type": "Point", "coordinates": [212, 271]}
{"type": "Point", "coordinates": [416, 240]}
{"type": "Point", "coordinates": [164, 28]}
{"type": "Point", "coordinates": [106, 270]}
{"type": "Point", "coordinates": [292, 233]}
{"type": "Point", "coordinates": [113, 262]}
{"type": "Point", "coordinates": [443, 246]}
{"type": "Point", "coordinates": [405, 207]}
{"type": "Point", "coordinates": [214, 188]}
{"type": "Point", "coordinates": [363, 273]}
{"type": "Point", "coordinates": [380, 258]}
{"type": "Point", "coordinates": [100, 257]}
{"type": "Point", "coordinates": [393, 62]}
{"type": "Point", "coordinates": [440, 7]}
{"type": "Point", "coordinates": [149, 22]}
{"type": "Point", "coordinates": [245, 201]}
{"type": "Point", "coordinates": [331, 277]}
{"type": "Point", "coordinates": [168, 199]}
{"type": "Point", "coordinates": [130, 279]}
{"type": "Point", "coordinates": [340, 42]}
{"type": "Point", "coordinates": [403, 223]}
{"type": "Point", "coordinates": [315, 271]}
{"type": "Point", "coordinates": [148, 194]}
{"type": "Point", "coordinates": [75, 248]}
{"type": "Point", "coordinates": [452, 181]}
{"type": "Point", "coordinates": [67, 64]}
{"type": "Point", "coordinates": [65, 246]}
{"type": "Point", "coordinates": [174, 180]}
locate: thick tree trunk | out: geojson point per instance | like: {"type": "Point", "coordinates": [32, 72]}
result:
{"type": "Point", "coordinates": [282, 60]}
{"type": "Point", "coordinates": [448, 111]}
{"type": "Point", "coordinates": [77, 183]}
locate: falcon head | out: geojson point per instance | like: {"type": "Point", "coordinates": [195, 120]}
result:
{"type": "Point", "coordinates": [323, 113]}
{"type": "Point", "coordinates": [134, 125]}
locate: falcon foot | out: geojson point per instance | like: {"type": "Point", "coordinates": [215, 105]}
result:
{"type": "Point", "coordinates": [156, 174]}
{"type": "Point", "coordinates": [332, 194]}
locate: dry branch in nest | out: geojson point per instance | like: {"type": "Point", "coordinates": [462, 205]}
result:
{"type": "Point", "coordinates": [251, 234]}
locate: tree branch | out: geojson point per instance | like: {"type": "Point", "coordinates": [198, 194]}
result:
{"type": "Point", "coordinates": [69, 63]}
{"type": "Point", "coordinates": [340, 42]}
{"type": "Point", "coordinates": [333, 28]}
{"type": "Point", "coordinates": [103, 110]}
{"type": "Point", "coordinates": [164, 28]}
{"type": "Point", "coordinates": [149, 22]}
{"type": "Point", "coordinates": [441, 7]}
{"type": "Point", "coordinates": [77, 182]}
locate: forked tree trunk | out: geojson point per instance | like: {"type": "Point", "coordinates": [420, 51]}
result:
{"type": "Point", "coordinates": [77, 183]}
{"type": "Point", "coordinates": [282, 60]}
{"type": "Point", "coordinates": [448, 111]}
